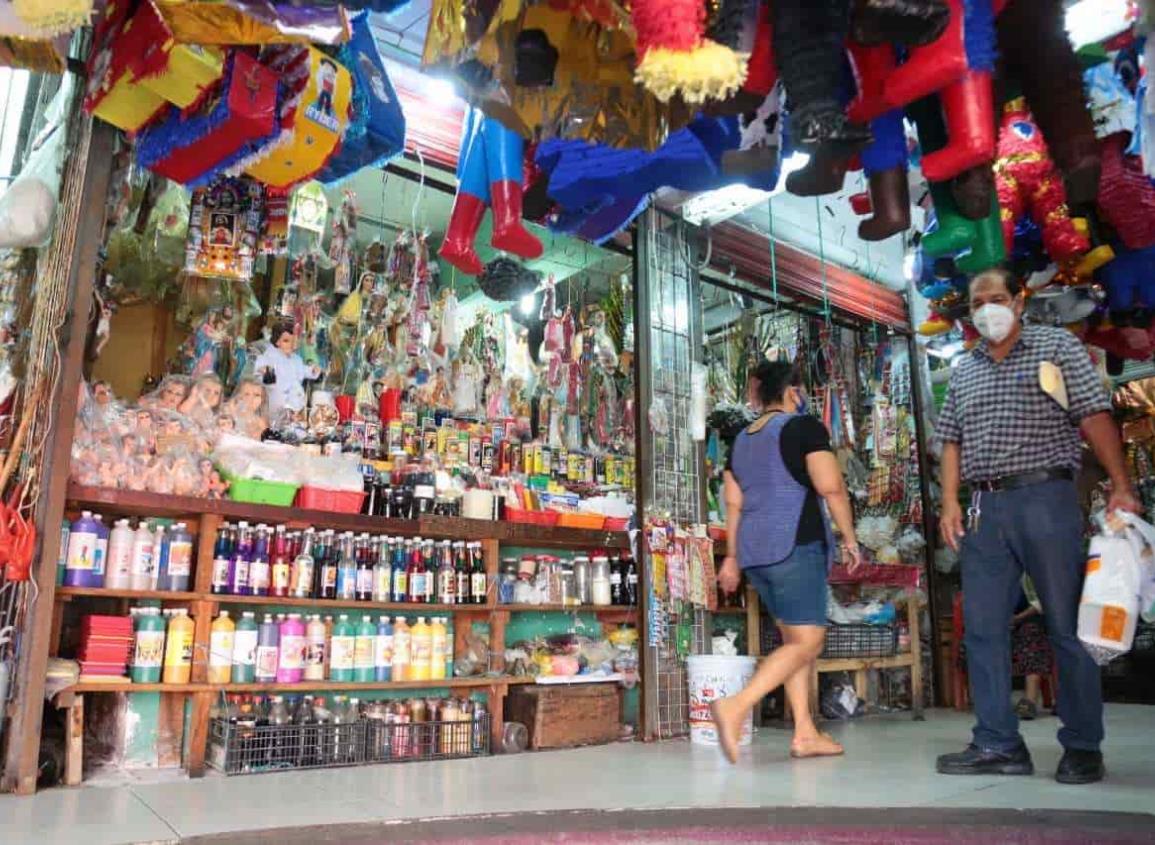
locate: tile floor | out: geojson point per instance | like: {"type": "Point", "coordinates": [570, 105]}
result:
{"type": "Point", "coordinates": [889, 764]}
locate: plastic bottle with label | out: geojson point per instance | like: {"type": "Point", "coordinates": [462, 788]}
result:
{"type": "Point", "coordinates": [240, 561]}
{"type": "Point", "coordinates": [62, 557]}
{"type": "Point", "coordinates": [179, 648]}
{"type": "Point", "coordinates": [383, 572]}
{"type": "Point", "coordinates": [316, 644]}
{"type": "Point", "coordinates": [143, 564]}
{"type": "Point", "coordinates": [222, 555]}
{"type": "Point", "coordinates": [347, 569]}
{"type": "Point", "coordinates": [268, 646]}
{"type": "Point", "coordinates": [303, 567]}
{"type": "Point", "coordinates": [260, 567]}
{"type": "Point", "coordinates": [291, 660]}
{"type": "Point", "coordinates": [383, 654]}
{"type": "Point", "coordinates": [281, 569]}
{"type": "Point", "coordinates": [118, 572]}
{"type": "Point", "coordinates": [222, 642]}
{"type": "Point", "coordinates": [178, 573]}
{"type": "Point", "coordinates": [401, 572]}
{"type": "Point", "coordinates": [342, 648]}
{"type": "Point", "coordinates": [79, 565]}
{"type": "Point", "coordinates": [159, 556]}
{"type": "Point", "coordinates": [148, 646]}
{"type": "Point", "coordinates": [365, 553]}
{"type": "Point", "coordinates": [364, 651]}
{"type": "Point", "coordinates": [245, 649]}
{"type": "Point", "coordinates": [402, 643]}
{"type": "Point", "coordinates": [439, 648]}
{"type": "Point", "coordinates": [100, 561]}
{"type": "Point", "coordinates": [421, 651]}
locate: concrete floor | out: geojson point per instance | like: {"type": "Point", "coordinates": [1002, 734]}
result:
{"type": "Point", "coordinates": [889, 763]}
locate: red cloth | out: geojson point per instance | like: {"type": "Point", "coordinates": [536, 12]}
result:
{"type": "Point", "coordinates": [1126, 196]}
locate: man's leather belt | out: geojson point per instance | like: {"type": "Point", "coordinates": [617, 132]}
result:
{"type": "Point", "coordinates": [1024, 479]}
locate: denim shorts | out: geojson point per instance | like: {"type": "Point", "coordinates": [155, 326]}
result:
{"type": "Point", "coordinates": [794, 590]}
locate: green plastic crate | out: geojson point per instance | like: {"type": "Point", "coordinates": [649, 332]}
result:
{"type": "Point", "coordinates": [254, 491]}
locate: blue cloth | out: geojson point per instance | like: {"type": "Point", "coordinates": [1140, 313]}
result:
{"type": "Point", "coordinates": [772, 499]}
{"type": "Point", "coordinates": [1129, 278]}
{"type": "Point", "coordinates": [888, 149]}
{"type": "Point", "coordinates": [1040, 529]}
{"type": "Point", "coordinates": [794, 590]}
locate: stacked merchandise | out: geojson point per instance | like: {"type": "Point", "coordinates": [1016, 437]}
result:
{"type": "Point", "coordinates": [106, 643]}
{"type": "Point", "coordinates": [265, 733]}
{"type": "Point", "coordinates": [573, 582]}
{"type": "Point", "coordinates": [152, 556]}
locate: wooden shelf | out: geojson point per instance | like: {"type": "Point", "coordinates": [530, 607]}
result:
{"type": "Point", "coordinates": [132, 503]}
{"type": "Point", "coordinates": [68, 593]}
{"type": "Point", "coordinates": [596, 609]}
{"type": "Point", "coordinates": [304, 686]}
{"type": "Point", "coordinates": [345, 604]}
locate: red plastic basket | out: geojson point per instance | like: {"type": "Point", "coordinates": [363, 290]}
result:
{"type": "Point", "coordinates": [334, 501]}
{"type": "Point", "coordinates": [547, 519]}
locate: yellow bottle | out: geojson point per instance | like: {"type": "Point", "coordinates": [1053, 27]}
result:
{"type": "Point", "coordinates": [439, 652]}
{"type": "Point", "coordinates": [178, 649]}
{"type": "Point", "coordinates": [402, 646]}
{"type": "Point", "coordinates": [221, 641]}
{"type": "Point", "coordinates": [422, 650]}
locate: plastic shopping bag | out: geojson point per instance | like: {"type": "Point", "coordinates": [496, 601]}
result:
{"type": "Point", "coordinates": [1142, 537]}
{"type": "Point", "coordinates": [1109, 608]}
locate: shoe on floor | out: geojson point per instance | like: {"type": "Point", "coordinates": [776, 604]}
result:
{"type": "Point", "coordinates": [1027, 710]}
{"type": "Point", "coordinates": [1078, 766]}
{"type": "Point", "coordinates": [976, 761]}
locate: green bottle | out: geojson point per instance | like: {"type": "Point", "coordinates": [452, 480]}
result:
{"type": "Point", "coordinates": [245, 649]}
{"type": "Point", "coordinates": [148, 646]}
{"type": "Point", "coordinates": [341, 650]}
{"type": "Point", "coordinates": [364, 648]}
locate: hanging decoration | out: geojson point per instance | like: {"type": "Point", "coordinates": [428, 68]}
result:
{"type": "Point", "coordinates": [234, 22]}
{"type": "Point", "coordinates": [53, 17]}
{"type": "Point", "coordinates": [313, 116]}
{"type": "Point", "coordinates": [224, 224]}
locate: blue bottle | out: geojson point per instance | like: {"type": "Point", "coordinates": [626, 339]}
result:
{"type": "Point", "coordinates": [241, 559]}
{"type": "Point", "coordinates": [80, 564]}
{"type": "Point", "coordinates": [400, 572]}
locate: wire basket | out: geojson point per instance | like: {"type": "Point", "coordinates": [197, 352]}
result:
{"type": "Point", "coordinates": [236, 750]}
{"type": "Point", "coordinates": [240, 749]}
{"type": "Point", "coordinates": [392, 742]}
{"type": "Point", "coordinates": [843, 641]}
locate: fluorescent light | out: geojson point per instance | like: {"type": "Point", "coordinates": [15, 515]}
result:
{"type": "Point", "coordinates": [440, 89]}
{"type": "Point", "coordinates": [723, 203]}
{"type": "Point", "coordinates": [527, 303]}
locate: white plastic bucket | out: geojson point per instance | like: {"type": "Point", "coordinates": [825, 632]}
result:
{"type": "Point", "coordinates": [712, 677]}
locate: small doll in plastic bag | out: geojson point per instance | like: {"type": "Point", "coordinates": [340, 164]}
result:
{"type": "Point", "coordinates": [203, 401]}
{"type": "Point", "coordinates": [169, 395]}
{"type": "Point", "coordinates": [248, 408]}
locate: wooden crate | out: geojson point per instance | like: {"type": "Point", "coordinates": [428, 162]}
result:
{"type": "Point", "coordinates": [567, 716]}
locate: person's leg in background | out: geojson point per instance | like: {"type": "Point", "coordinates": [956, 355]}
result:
{"type": "Point", "coordinates": [1048, 535]}
{"type": "Point", "coordinates": [990, 578]}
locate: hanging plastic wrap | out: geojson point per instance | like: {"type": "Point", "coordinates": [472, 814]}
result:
{"type": "Point", "coordinates": [255, 22]}
{"type": "Point", "coordinates": [698, 401]}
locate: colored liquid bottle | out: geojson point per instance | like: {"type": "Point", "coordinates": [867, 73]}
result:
{"type": "Point", "coordinates": [364, 556]}
{"type": "Point", "coordinates": [342, 648]}
{"type": "Point", "coordinates": [268, 646]}
{"type": "Point", "coordinates": [316, 644]}
{"type": "Point", "coordinates": [178, 572]}
{"type": "Point", "coordinates": [148, 646]}
{"type": "Point", "coordinates": [630, 577]}
{"type": "Point", "coordinates": [327, 569]}
{"type": "Point", "coordinates": [383, 572]}
{"type": "Point", "coordinates": [159, 557]}
{"type": "Point", "coordinates": [347, 570]}
{"type": "Point", "coordinates": [416, 572]}
{"type": "Point", "coordinates": [462, 594]}
{"type": "Point", "coordinates": [617, 588]}
{"type": "Point", "coordinates": [260, 568]}
{"type": "Point", "coordinates": [222, 642]}
{"type": "Point", "coordinates": [143, 562]}
{"type": "Point", "coordinates": [421, 651]}
{"type": "Point", "coordinates": [364, 651]}
{"type": "Point", "coordinates": [439, 649]}
{"type": "Point", "coordinates": [401, 648]}
{"type": "Point", "coordinates": [383, 656]}
{"type": "Point", "coordinates": [245, 649]}
{"type": "Point", "coordinates": [80, 564]}
{"type": "Point", "coordinates": [281, 567]}
{"type": "Point", "coordinates": [478, 583]}
{"type": "Point", "coordinates": [100, 561]}
{"type": "Point", "coordinates": [291, 660]}
{"type": "Point", "coordinates": [222, 554]}
{"type": "Point", "coordinates": [303, 567]}
{"type": "Point", "coordinates": [118, 573]}
{"type": "Point", "coordinates": [446, 576]}
{"type": "Point", "coordinates": [240, 560]}
{"type": "Point", "coordinates": [401, 572]}
{"type": "Point", "coordinates": [178, 648]}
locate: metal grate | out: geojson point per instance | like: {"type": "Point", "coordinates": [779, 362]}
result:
{"type": "Point", "coordinates": [673, 464]}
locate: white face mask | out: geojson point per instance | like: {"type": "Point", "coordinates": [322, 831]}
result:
{"type": "Point", "coordinates": [994, 322]}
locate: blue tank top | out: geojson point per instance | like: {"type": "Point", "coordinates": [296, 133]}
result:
{"type": "Point", "coordinates": [772, 499]}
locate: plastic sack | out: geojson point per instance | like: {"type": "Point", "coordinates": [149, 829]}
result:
{"type": "Point", "coordinates": [28, 207]}
{"type": "Point", "coordinates": [1109, 607]}
{"type": "Point", "coordinates": [1142, 537]}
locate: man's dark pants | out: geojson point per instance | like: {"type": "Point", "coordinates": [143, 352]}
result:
{"type": "Point", "coordinates": [1038, 528]}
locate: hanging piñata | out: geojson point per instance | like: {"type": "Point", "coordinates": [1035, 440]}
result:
{"type": "Point", "coordinates": [676, 57]}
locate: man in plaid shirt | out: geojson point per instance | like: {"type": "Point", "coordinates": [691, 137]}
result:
{"type": "Point", "coordinates": [1019, 405]}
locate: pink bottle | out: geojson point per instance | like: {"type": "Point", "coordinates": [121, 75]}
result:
{"type": "Point", "coordinates": [291, 662]}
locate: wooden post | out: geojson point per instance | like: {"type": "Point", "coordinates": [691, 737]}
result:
{"type": "Point", "coordinates": [74, 743]}
{"type": "Point", "coordinates": [24, 731]}
{"type": "Point", "coordinates": [198, 732]}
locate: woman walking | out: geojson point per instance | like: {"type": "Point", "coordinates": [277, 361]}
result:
{"type": "Point", "coordinates": [779, 535]}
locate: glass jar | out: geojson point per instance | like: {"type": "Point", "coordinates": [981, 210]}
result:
{"type": "Point", "coordinates": [582, 583]}
{"type": "Point", "coordinates": [507, 582]}
{"type": "Point", "coordinates": [567, 584]}
{"type": "Point", "coordinates": [600, 581]}
{"type": "Point", "coordinates": [401, 503]}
